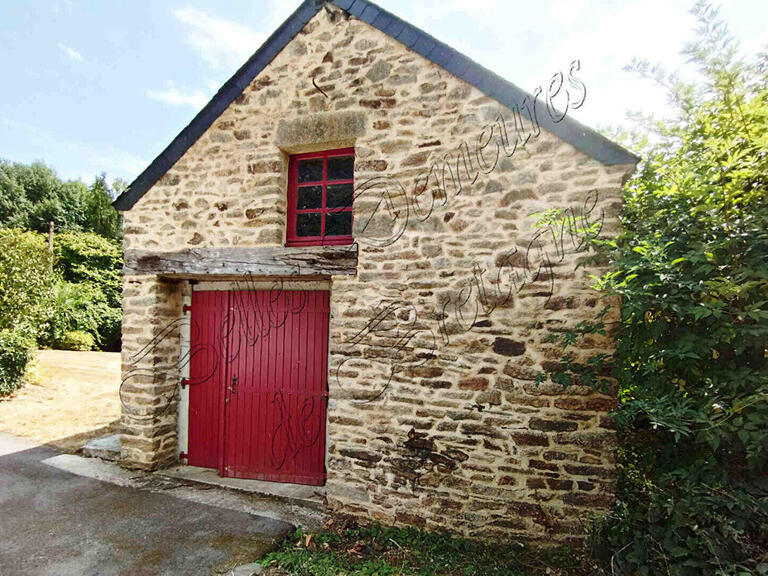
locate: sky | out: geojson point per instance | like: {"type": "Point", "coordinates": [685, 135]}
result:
{"type": "Point", "coordinates": [92, 86]}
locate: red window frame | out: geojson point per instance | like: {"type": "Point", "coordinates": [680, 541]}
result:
{"type": "Point", "coordinates": [293, 190]}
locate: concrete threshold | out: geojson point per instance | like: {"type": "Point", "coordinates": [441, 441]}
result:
{"type": "Point", "coordinates": [257, 503]}
{"type": "Point", "coordinates": [310, 496]}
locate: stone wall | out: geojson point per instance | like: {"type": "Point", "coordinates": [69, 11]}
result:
{"type": "Point", "coordinates": [435, 418]}
{"type": "Point", "coordinates": [150, 373]}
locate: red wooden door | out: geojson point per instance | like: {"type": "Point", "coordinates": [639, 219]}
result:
{"type": "Point", "coordinates": [273, 387]}
{"type": "Point", "coordinates": [207, 369]}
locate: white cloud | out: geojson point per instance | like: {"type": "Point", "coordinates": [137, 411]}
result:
{"type": "Point", "coordinates": [565, 11]}
{"type": "Point", "coordinates": [66, 6]}
{"type": "Point", "coordinates": [71, 53]}
{"type": "Point", "coordinates": [478, 8]}
{"type": "Point", "coordinates": [220, 42]}
{"type": "Point", "coordinates": [606, 43]}
{"type": "Point", "coordinates": [529, 42]}
{"type": "Point", "coordinates": [175, 97]}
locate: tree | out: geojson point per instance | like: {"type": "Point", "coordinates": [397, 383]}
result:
{"type": "Point", "coordinates": [32, 196]}
{"type": "Point", "coordinates": [692, 269]}
{"type": "Point", "coordinates": [82, 284]}
{"type": "Point", "coordinates": [27, 284]}
{"type": "Point", "coordinates": [88, 298]}
{"type": "Point", "coordinates": [99, 215]}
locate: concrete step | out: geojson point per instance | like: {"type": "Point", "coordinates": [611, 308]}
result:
{"type": "Point", "coordinates": [106, 448]}
{"type": "Point", "coordinates": [212, 495]}
{"type": "Point", "coordinates": [312, 497]}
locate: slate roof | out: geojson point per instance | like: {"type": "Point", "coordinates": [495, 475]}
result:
{"type": "Point", "coordinates": [506, 93]}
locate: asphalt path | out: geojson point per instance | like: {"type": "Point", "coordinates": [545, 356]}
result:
{"type": "Point", "coordinates": [53, 522]}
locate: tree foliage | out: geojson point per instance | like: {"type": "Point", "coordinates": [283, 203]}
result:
{"type": "Point", "coordinates": [82, 279]}
{"type": "Point", "coordinates": [692, 269]}
{"type": "Point", "coordinates": [87, 296]}
{"type": "Point", "coordinates": [32, 195]}
{"type": "Point", "coordinates": [15, 348]}
{"type": "Point", "coordinates": [27, 282]}
{"type": "Point", "coordinates": [66, 299]}
{"type": "Point", "coordinates": [87, 257]}
{"type": "Point", "coordinates": [98, 214]}
{"type": "Point", "coordinates": [27, 288]}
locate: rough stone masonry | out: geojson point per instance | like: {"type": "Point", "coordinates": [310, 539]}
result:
{"type": "Point", "coordinates": [434, 415]}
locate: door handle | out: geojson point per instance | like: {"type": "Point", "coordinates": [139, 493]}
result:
{"type": "Point", "coordinates": [233, 386]}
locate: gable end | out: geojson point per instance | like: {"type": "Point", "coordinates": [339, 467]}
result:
{"type": "Point", "coordinates": [569, 130]}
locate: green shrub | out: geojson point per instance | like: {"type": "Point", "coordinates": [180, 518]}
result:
{"type": "Point", "coordinates": [27, 281]}
{"type": "Point", "coordinates": [79, 286]}
{"type": "Point", "coordinates": [89, 299]}
{"type": "Point", "coordinates": [84, 308]}
{"type": "Point", "coordinates": [15, 349]}
{"type": "Point", "coordinates": [110, 327]}
{"type": "Point", "coordinates": [74, 304]}
{"type": "Point", "coordinates": [692, 358]}
{"type": "Point", "coordinates": [85, 257]}
{"type": "Point", "coordinates": [76, 340]}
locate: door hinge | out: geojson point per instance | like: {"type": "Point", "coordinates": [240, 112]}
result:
{"type": "Point", "coordinates": [184, 382]}
{"type": "Point", "coordinates": [186, 308]}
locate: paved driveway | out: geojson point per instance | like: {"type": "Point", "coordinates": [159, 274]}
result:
{"type": "Point", "coordinates": [56, 523]}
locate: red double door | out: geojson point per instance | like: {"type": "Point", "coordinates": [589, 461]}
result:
{"type": "Point", "coordinates": [258, 384]}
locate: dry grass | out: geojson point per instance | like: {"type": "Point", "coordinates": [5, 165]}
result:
{"type": "Point", "coordinates": [69, 398]}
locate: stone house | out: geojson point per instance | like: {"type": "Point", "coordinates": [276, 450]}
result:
{"type": "Point", "coordinates": [335, 275]}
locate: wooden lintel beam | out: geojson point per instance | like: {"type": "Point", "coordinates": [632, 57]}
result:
{"type": "Point", "coordinates": [260, 261]}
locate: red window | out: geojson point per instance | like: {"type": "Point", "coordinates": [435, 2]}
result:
{"type": "Point", "coordinates": [320, 192]}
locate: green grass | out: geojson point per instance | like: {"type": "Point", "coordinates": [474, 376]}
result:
{"type": "Point", "coordinates": [347, 549]}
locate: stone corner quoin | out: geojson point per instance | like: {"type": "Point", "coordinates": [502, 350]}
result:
{"type": "Point", "coordinates": [434, 415]}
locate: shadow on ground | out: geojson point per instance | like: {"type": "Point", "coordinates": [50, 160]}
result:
{"type": "Point", "coordinates": [56, 523]}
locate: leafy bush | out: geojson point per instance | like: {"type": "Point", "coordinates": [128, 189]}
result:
{"type": "Point", "coordinates": [77, 340]}
{"type": "Point", "coordinates": [691, 361]}
{"type": "Point", "coordinates": [74, 310]}
{"type": "Point", "coordinates": [27, 282]}
{"type": "Point", "coordinates": [15, 350]}
{"type": "Point", "coordinates": [110, 328]}
{"type": "Point", "coordinates": [85, 257]}
{"type": "Point", "coordinates": [84, 308]}
{"type": "Point", "coordinates": [89, 298]}
{"type": "Point", "coordinates": [77, 290]}
{"type": "Point", "coordinates": [35, 300]}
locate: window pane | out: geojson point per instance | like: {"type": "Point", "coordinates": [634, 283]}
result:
{"type": "Point", "coordinates": [341, 168]}
{"type": "Point", "coordinates": [308, 224]}
{"type": "Point", "coordinates": [338, 196]}
{"type": "Point", "coordinates": [339, 224]}
{"type": "Point", "coordinates": [311, 170]}
{"type": "Point", "coordinates": [310, 197]}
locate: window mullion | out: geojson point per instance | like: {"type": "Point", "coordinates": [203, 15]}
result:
{"type": "Point", "coordinates": [324, 205]}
